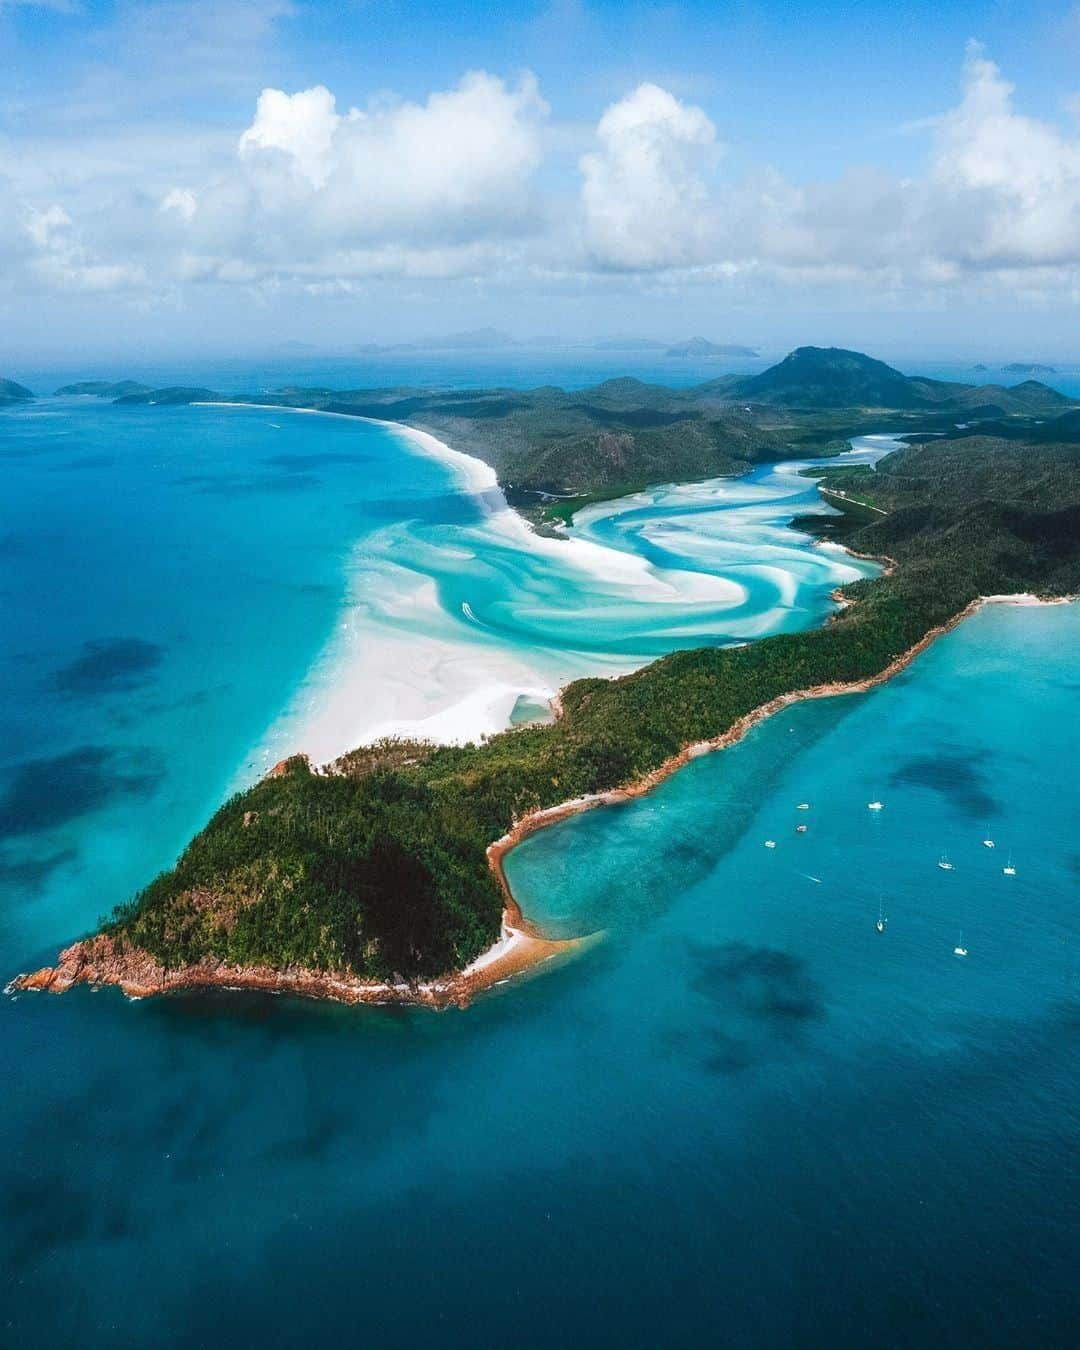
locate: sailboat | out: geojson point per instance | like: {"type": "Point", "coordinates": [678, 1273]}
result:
{"type": "Point", "coordinates": [881, 919]}
{"type": "Point", "coordinates": [1009, 869]}
{"type": "Point", "coordinates": [944, 863]}
{"type": "Point", "coordinates": [874, 806]}
{"type": "Point", "coordinates": [960, 949]}
{"type": "Point", "coordinates": [988, 842]}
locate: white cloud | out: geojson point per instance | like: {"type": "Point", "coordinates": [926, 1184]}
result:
{"type": "Point", "coordinates": [475, 182]}
{"type": "Point", "coordinates": [301, 125]}
{"type": "Point", "coordinates": [180, 200]}
{"type": "Point", "coordinates": [645, 201]}
{"type": "Point", "coordinates": [1001, 192]}
{"type": "Point", "coordinates": [1017, 179]}
{"type": "Point", "coordinates": [452, 170]}
{"type": "Point", "coordinates": [61, 260]}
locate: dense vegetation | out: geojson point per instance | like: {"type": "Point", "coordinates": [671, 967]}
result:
{"type": "Point", "coordinates": [378, 865]}
{"type": "Point", "coordinates": [829, 377]}
{"type": "Point", "coordinates": [555, 450]}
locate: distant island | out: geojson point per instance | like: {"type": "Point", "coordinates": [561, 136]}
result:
{"type": "Point", "coordinates": [103, 389]}
{"type": "Point", "coordinates": [1028, 368]}
{"type": "Point", "coordinates": [700, 347]}
{"type": "Point", "coordinates": [379, 877]}
{"type": "Point", "coordinates": [10, 392]}
{"type": "Point", "coordinates": [697, 347]}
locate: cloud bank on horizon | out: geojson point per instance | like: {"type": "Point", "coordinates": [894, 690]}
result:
{"type": "Point", "coordinates": [482, 181]}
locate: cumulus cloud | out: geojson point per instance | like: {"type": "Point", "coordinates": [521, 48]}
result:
{"type": "Point", "coordinates": [180, 200]}
{"type": "Point", "coordinates": [300, 125]}
{"type": "Point", "coordinates": [448, 172]}
{"type": "Point", "coordinates": [41, 249]}
{"type": "Point", "coordinates": [645, 201]}
{"type": "Point", "coordinates": [1018, 178]}
{"type": "Point", "coordinates": [322, 197]}
{"type": "Point", "coordinates": [1001, 192]}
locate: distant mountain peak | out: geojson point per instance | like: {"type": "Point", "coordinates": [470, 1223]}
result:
{"type": "Point", "coordinates": [834, 377]}
{"type": "Point", "coordinates": [699, 346]}
{"type": "Point", "coordinates": [831, 377]}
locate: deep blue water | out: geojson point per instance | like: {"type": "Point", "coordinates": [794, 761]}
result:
{"type": "Point", "coordinates": [743, 1115]}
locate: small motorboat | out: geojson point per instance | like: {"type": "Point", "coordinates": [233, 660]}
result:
{"type": "Point", "coordinates": [803, 806]}
{"type": "Point", "coordinates": [800, 829]}
{"type": "Point", "coordinates": [770, 843]}
{"type": "Point", "coordinates": [875, 806]}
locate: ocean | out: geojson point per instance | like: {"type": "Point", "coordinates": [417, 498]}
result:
{"type": "Point", "coordinates": [742, 1113]}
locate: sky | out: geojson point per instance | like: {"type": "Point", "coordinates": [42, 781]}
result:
{"type": "Point", "coordinates": [227, 175]}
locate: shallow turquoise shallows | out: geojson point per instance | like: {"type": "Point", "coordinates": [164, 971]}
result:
{"type": "Point", "coordinates": [742, 1116]}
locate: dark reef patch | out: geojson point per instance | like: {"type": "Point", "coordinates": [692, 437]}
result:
{"type": "Point", "coordinates": [42, 793]}
{"type": "Point", "coordinates": [108, 665]}
{"type": "Point", "coordinates": [11, 545]}
{"type": "Point", "coordinates": [956, 775]}
{"type": "Point", "coordinates": [30, 873]}
{"type": "Point", "coordinates": [757, 982]}
{"type": "Point", "coordinates": [761, 999]}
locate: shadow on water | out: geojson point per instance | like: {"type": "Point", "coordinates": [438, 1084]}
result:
{"type": "Point", "coordinates": [960, 776]}
{"type": "Point", "coordinates": [41, 793]}
{"type": "Point", "coordinates": [108, 665]}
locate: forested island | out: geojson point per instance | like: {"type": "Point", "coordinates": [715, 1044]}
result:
{"type": "Point", "coordinates": [376, 872]}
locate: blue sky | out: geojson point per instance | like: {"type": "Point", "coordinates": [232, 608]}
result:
{"type": "Point", "coordinates": [177, 172]}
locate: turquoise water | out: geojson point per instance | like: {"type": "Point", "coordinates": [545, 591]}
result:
{"type": "Point", "coordinates": [744, 1114]}
{"type": "Point", "coordinates": [189, 594]}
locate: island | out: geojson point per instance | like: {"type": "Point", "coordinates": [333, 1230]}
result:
{"type": "Point", "coordinates": [698, 347]}
{"type": "Point", "coordinates": [10, 392]}
{"type": "Point", "coordinates": [378, 877]}
{"type": "Point", "coordinates": [102, 389]}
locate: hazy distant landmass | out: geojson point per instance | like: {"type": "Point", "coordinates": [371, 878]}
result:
{"type": "Point", "coordinates": [497, 339]}
{"type": "Point", "coordinates": [472, 340]}
{"type": "Point", "coordinates": [104, 388]}
{"type": "Point", "coordinates": [1028, 368]}
{"type": "Point", "coordinates": [10, 392]}
{"type": "Point", "coordinates": [628, 344]}
{"type": "Point", "coordinates": [699, 346]}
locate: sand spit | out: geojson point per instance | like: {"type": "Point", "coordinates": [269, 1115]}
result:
{"type": "Point", "coordinates": [520, 948]}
